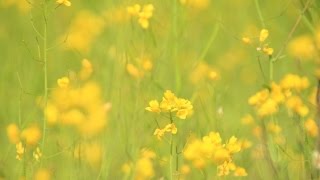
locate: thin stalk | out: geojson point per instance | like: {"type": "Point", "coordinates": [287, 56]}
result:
{"type": "Point", "coordinates": [256, 2]}
{"type": "Point", "coordinates": [175, 45]}
{"type": "Point", "coordinates": [270, 69]}
{"type": "Point", "coordinates": [45, 72]}
{"type": "Point", "coordinates": [171, 152]}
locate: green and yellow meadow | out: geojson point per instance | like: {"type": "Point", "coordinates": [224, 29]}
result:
{"type": "Point", "coordinates": [159, 89]}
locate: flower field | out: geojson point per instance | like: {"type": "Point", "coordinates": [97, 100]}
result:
{"type": "Point", "coordinates": [170, 89]}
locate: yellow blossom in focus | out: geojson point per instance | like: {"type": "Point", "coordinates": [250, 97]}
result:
{"type": "Point", "coordinates": [64, 2]}
{"type": "Point", "coordinates": [153, 106]}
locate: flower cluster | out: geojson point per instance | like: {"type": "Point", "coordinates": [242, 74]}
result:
{"type": "Point", "coordinates": [262, 47]}
{"type": "Point", "coordinates": [27, 139]}
{"type": "Point", "coordinates": [211, 149]}
{"type": "Point", "coordinates": [170, 103]}
{"type": "Point", "coordinates": [267, 101]}
{"type": "Point", "coordinates": [76, 102]}
{"type": "Point", "coordinates": [171, 128]}
{"type": "Point", "coordinates": [142, 13]}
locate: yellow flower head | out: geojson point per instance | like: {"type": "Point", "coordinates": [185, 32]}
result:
{"type": "Point", "coordinates": [311, 127]}
{"type": "Point", "coordinates": [63, 82]}
{"type": "Point", "coordinates": [13, 133]}
{"type": "Point", "coordinates": [264, 33]}
{"type": "Point", "coordinates": [246, 40]}
{"type": "Point", "coordinates": [31, 135]}
{"type": "Point", "coordinates": [153, 106]}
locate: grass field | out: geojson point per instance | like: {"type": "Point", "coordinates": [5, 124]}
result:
{"type": "Point", "coordinates": [170, 89]}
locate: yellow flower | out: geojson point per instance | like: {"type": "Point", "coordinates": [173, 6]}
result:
{"type": "Point", "coordinates": [31, 135]}
{"type": "Point", "coordinates": [134, 71]}
{"type": "Point", "coordinates": [264, 33]}
{"type": "Point", "coordinates": [246, 40]}
{"type": "Point", "coordinates": [247, 120]}
{"type": "Point", "coordinates": [159, 133]}
{"type": "Point", "coordinates": [233, 146]}
{"type": "Point", "coordinates": [302, 47]}
{"type": "Point", "coordinates": [171, 128]}
{"type": "Point", "coordinates": [274, 128]}
{"type": "Point", "coordinates": [64, 2]}
{"type": "Point", "coordinates": [268, 108]}
{"type": "Point", "coordinates": [221, 155]}
{"type": "Point", "coordinates": [37, 154]}
{"type": "Point", "coordinates": [225, 168]}
{"type": "Point", "coordinates": [143, 14]}
{"type": "Point", "coordinates": [183, 107]}
{"type": "Point", "coordinates": [13, 133]}
{"type": "Point", "coordinates": [168, 128]}
{"type": "Point", "coordinates": [20, 151]}
{"type": "Point", "coordinates": [311, 127]}
{"type": "Point", "coordinates": [153, 106]}
{"type": "Point", "coordinates": [268, 50]}
{"type": "Point", "coordinates": [134, 10]}
{"type": "Point", "coordinates": [63, 82]}
{"type": "Point", "coordinates": [144, 166]}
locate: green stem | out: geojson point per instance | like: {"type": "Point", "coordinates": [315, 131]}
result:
{"type": "Point", "coordinates": [175, 45]}
{"type": "Point", "coordinates": [270, 69]}
{"type": "Point", "coordinates": [171, 152]}
{"type": "Point", "coordinates": [308, 24]}
{"type": "Point", "coordinates": [45, 72]}
{"type": "Point", "coordinates": [208, 45]}
{"type": "Point", "coordinates": [259, 13]}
